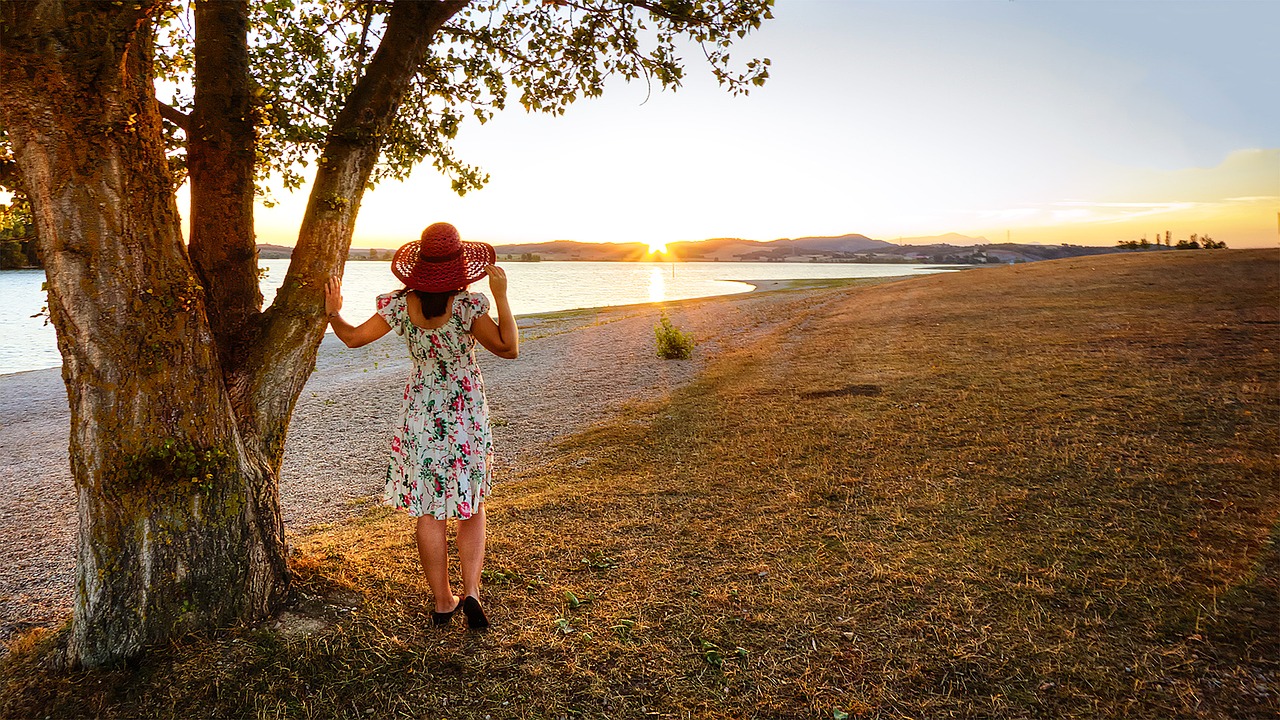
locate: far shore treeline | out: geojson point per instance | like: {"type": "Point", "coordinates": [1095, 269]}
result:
{"type": "Point", "coordinates": [942, 249]}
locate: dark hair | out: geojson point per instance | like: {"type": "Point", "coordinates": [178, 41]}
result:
{"type": "Point", "coordinates": [434, 304]}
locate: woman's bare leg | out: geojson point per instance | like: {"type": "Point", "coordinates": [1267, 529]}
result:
{"type": "Point", "coordinates": [433, 551]}
{"type": "Point", "coordinates": [471, 551]}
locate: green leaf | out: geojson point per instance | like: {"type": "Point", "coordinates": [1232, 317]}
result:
{"type": "Point", "coordinates": [308, 55]}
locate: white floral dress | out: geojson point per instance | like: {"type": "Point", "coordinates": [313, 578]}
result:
{"type": "Point", "coordinates": [442, 453]}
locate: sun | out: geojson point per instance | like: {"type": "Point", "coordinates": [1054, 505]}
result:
{"type": "Point", "coordinates": [656, 248]}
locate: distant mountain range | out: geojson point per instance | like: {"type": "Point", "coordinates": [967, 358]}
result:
{"type": "Point", "coordinates": [950, 248]}
{"type": "Point", "coordinates": [941, 249]}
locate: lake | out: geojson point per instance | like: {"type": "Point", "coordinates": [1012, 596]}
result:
{"type": "Point", "coordinates": [535, 287]}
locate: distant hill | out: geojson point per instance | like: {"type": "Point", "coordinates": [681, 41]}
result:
{"type": "Point", "coordinates": [274, 252]}
{"type": "Point", "coordinates": [802, 249]}
{"type": "Point", "coordinates": [839, 248]}
{"type": "Point", "coordinates": [267, 251]}
{"type": "Point", "coordinates": [951, 248]}
{"type": "Point", "coordinates": [953, 239]}
{"type": "Point", "coordinates": [573, 250]}
{"type": "Point", "coordinates": [843, 243]}
{"type": "Point", "coordinates": [1013, 252]}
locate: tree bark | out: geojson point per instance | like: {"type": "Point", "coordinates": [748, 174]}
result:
{"type": "Point", "coordinates": [220, 165]}
{"type": "Point", "coordinates": [180, 390]}
{"type": "Point", "coordinates": [173, 533]}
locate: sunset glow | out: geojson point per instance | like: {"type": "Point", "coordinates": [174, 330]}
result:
{"type": "Point", "coordinates": [1035, 122]}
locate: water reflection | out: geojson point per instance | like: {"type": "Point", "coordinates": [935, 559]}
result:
{"type": "Point", "coordinates": [536, 287]}
{"type": "Point", "coordinates": [657, 288]}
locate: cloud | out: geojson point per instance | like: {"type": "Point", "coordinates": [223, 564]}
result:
{"type": "Point", "coordinates": [1116, 212]}
{"type": "Point", "coordinates": [1254, 199]}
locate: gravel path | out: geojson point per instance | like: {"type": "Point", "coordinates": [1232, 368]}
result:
{"type": "Point", "coordinates": [574, 369]}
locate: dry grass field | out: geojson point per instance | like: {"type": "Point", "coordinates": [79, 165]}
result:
{"type": "Point", "coordinates": [1035, 491]}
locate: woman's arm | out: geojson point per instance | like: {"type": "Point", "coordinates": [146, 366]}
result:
{"type": "Point", "coordinates": [354, 336]}
{"type": "Point", "coordinates": [501, 338]}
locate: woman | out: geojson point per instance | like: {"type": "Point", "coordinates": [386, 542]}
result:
{"type": "Point", "coordinates": [442, 454]}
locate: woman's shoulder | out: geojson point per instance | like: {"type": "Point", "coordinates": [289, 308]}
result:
{"type": "Point", "coordinates": [390, 298]}
{"type": "Point", "coordinates": [392, 308]}
{"type": "Point", "coordinates": [467, 306]}
{"type": "Point", "coordinates": [471, 300]}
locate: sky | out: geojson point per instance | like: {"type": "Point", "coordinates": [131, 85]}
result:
{"type": "Point", "coordinates": [1027, 120]}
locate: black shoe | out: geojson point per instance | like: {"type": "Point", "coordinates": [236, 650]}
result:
{"type": "Point", "coordinates": [475, 616]}
{"type": "Point", "coordinates": [443, 618]}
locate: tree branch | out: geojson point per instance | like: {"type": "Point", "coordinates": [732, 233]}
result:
{"type": "Point", "coordinates": [175, 116]}
{"type": "Point", "coordinates": [653, 9]}
{"type": "Point", "coordinates": [282, 359]}
{"type": "Point", "coordinates": [364, 35]}
{"type": "Point", "coordinates": [220, 164]}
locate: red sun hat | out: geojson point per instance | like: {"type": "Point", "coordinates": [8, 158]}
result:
{"type": "Point", "coordinates": [440, 261]}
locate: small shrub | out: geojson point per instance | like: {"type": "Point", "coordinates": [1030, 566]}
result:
{"type": "Point", "coordinates": [673, 344]}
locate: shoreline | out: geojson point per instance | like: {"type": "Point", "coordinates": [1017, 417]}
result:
{"type": "Point", "coordinates": [533, 319]}
{"type": "Point", "coordinates": [576, 368]}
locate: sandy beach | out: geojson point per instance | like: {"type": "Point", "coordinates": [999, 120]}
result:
{"type": "Point", "coordinates": [574, 369]}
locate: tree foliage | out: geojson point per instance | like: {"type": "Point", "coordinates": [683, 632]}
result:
{"type": "Point", "coordinates": [308, 54]}
{"type": "Point", "coordinates": [17, 233]}
{"type": "Point", "coordinates": [17, 237]}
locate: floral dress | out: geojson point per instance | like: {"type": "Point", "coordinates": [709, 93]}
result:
{"type": "Point", "coordinates": [442, 453]}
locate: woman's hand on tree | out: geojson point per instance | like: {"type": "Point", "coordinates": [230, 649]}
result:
{"type": "Point", "coordinates": [332, 297]}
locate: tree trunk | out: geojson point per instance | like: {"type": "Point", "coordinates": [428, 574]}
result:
{"type": "Point", "coordinates": [220, 166]}
{"type": "Point", "coordinates": [178, 525]}
{"type": "Point", "coordinates": [180, 390]}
